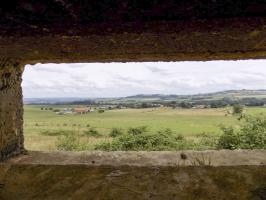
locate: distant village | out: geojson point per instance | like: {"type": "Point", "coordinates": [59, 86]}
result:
{"type": "Point", "coordinates": [199, 104]}
{"type": "Point", "coordinates": [102, 108]}
{"type": "Point", "coordinates": [81, 110]}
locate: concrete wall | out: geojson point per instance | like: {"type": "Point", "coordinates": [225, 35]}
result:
{"type": "Point", "coordinates": [11, 110]}
{"type": "Point", "coordinates": [211, 175]}
{"type": "Point", "coordinates": [119, 30]}
{"type": "Point", "coordinates": [75, 31]}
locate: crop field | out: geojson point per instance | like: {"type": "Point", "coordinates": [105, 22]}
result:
{"type": "Point", "coordinates": [43, 127]}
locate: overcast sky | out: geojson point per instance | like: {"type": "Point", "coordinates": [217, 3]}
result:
{"type": "Point", "coordinates": [125, 79]}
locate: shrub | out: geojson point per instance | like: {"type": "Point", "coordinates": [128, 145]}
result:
{"type": "Point", "coordinates": [253, 132]}
{"type": "Point", "coordinates": [56, 110]}
{"type": "Point", "coordinates": [70, 142]}
{"type": "Point", "coordinates": [180, 137]}
{"type": "Point", "coordinates": [115, 132]}
{"type": "Point", "coordinates": [229, 139]}
{"type": "Point", "coordinates": [137, 130]}
{"type": "Point", "coordinates": [160, 141]}
{"type": "Point", "coordinates": [238, 109]}
{"type": "Point", "coordinates": [92, 132]}
{"type": "Point", "coordinates": [206, 141]}
{"type": "Point", "coordinates": [101, 111]}
{"type": "Point", "coordinates": [251, 135]}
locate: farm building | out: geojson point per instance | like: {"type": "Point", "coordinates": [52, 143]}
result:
{"type": "Point", "coordinates": [81, 110]}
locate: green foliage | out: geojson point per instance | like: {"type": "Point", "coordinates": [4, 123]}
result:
{"type": "Point", "coordinates": [56, 110]}
{"type": "Point", "coordinates": [161, 141]}
{"type": "Point", "coordinates": [180, 137]}
{"type": "Point", "coordinates": [238, 109]}
{"type": "Point", "coordinates": [70, 142]}
{"type": "Point", "coordinates": [185, 104]}
{"type": "Point", "coordinates": [253, 132]}
{"type": "Point", "coordinates": [251, 135]}
{"type": "Point", "coordinates": [206, 141]}
{"type": "Point", "coordinates": [101, 111]}
{"type": "Point", "coordinates": [92, 132]}
{"type": "Point", "coordinates": [137, 130]}
{"type": "Point", "coordinates": [55, 132]}
{"type": "Point", "coordinates": [188, 122]}
{"type": "Point", "coordinates": [115, 132]}
{"type": "Point", "coordinates": [229, 139]}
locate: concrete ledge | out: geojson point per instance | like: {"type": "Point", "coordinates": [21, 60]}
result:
{"type": "Point", "coordinates": [214, 175]}
{"type": "Point", "coordinates": [145, 159]}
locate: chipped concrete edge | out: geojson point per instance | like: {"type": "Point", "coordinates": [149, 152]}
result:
{"type": "Point", "coordinates": [144, 159]}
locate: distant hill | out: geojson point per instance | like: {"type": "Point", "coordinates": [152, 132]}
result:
{"type": "Point", "coordinates": [229, 94]}
{"type": "Point", "coordinates": [39, 101]}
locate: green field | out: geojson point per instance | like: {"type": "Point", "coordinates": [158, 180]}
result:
{"type": "Point", "coordinates": [188, 122]}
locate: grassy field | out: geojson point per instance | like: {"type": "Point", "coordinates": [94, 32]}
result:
{"type": "Point", "coordinates": [41, 127]}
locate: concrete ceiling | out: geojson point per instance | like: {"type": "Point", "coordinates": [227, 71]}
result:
{"type": "Point", "coordinates": [131, 30]}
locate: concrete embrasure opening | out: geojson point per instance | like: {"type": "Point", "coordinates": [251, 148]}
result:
{"type": "Point", "coordinates": [12, 141]}
{"type": "Point", "coordinates": [96, 106]}
{"type": "Point", "coordinates": [105, 31]}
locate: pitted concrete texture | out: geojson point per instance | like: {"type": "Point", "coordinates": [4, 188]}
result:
{"type": "Point", "coordinates": [126, 30]}
{"type": "Point", "coordinates": [11, 110]}
{"type": "Point", "coordinates": [223, 39]}
{"type": "Point", "coordinates": [142, 159]}
{"type": "Point", "coordinates": [211, 175]}
{"type": "Point", "coordinates": [120, 30]}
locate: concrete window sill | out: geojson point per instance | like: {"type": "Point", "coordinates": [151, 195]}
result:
{"type": "Point", "coordinates": [188, 175]}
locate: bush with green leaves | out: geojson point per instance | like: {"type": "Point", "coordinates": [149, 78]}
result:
{"type": "Point", "coordinates": [229, 139]}
{"type": "Point", "coordinates": [250, 135]}
{"type": "Point", "coordinates": [92, 132]}
{"type": "Point", "coordinates": [238, 109]}
{"type": "Point", "coordinates": [137, 130]}
{"type": "Point", "coordinates": [115, 132]}
{"type": "Point", "coordinates": [253, 132]}
{"type": "Point", "coordinates": [70, 142]}
{"type": "Point", "coordinates": [140, 141]}
{"type": "Point", "coordinates": [206, 141]}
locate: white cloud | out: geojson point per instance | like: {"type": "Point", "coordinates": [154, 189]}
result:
{"type": "Point", "coordinates": [123, 79]}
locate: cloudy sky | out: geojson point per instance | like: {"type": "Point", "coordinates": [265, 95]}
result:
{"type": "Point", "coordinates": [125, 79]}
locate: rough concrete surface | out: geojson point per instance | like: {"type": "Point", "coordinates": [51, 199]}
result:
{"type": "Point", "coordinates": [223, 39]}
{"type": "Point", "coordinates": [124, 30]}
{"type": "Point", "coordinates": [211, 175]}
{"type": "Point", "coordinates": [11, 109]}
{"type": "Point", "coordinates": [142, 159]}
